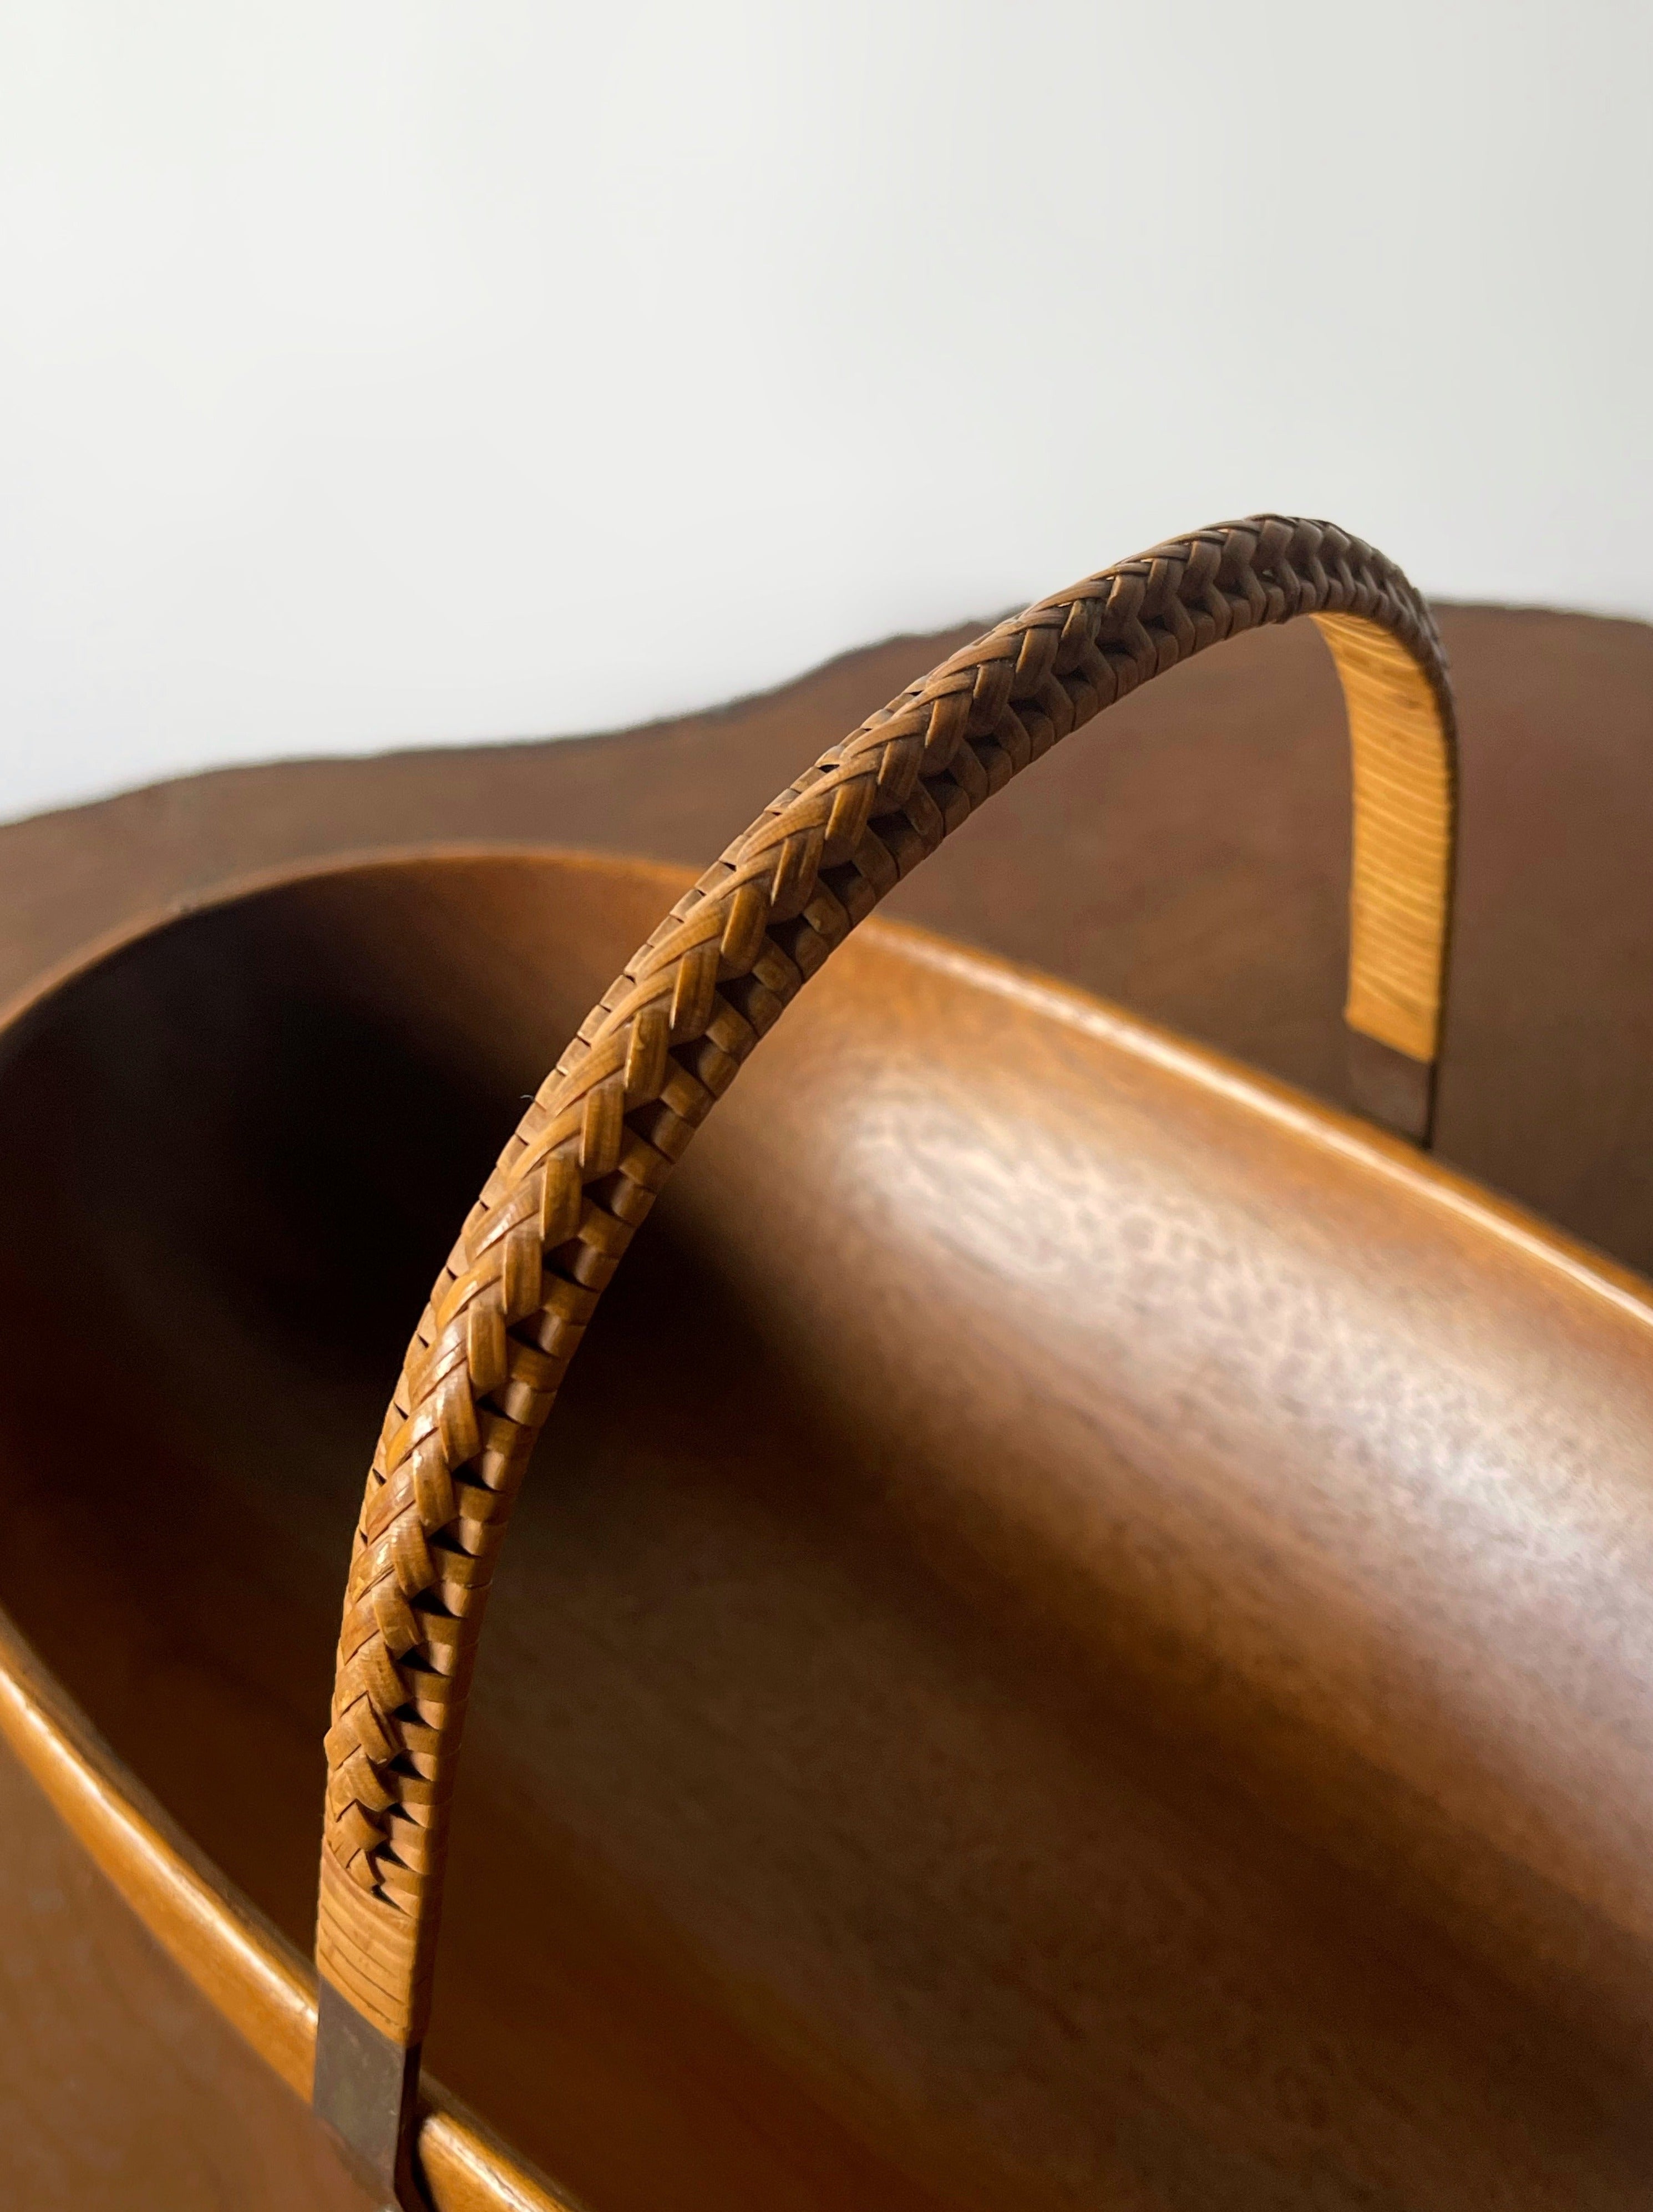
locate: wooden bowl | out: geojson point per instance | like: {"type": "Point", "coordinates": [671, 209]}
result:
{"type": "Point", "coordinates": [1145, 1706]}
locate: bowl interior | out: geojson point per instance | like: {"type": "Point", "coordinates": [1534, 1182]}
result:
{"type": "Point", "coordinates": [870, 1794]}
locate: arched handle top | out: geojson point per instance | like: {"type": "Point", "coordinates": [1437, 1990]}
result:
{"type": "Point", "coordinates": [666, 1041]}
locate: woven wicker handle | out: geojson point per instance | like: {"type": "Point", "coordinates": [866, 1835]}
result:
{"type": "Point", "coordinates": [651, 1060]}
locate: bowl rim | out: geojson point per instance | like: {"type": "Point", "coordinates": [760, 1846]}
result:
{"type": "Point", "coordinates": [249, 1971]}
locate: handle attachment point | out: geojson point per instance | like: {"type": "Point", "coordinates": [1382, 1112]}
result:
{"type": "Point", "coordinates": [1391, 1087]}
{"type": "Point", "coordinates": [367, 2090]}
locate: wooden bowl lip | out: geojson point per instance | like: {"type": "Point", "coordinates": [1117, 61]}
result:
{"type": "Point", "coordinates": [252, 883]}
{"type": "Point", "coordinates": [246, 1968]}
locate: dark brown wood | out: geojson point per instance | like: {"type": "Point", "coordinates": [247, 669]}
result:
{"type": "Point", "coordinates": [1138, 1701]}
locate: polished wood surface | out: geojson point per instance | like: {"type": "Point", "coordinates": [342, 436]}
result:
{"type": "Point", "coordinates": [1207, 835]}
{"type": "Point", "coordinates": [1051, 1673]}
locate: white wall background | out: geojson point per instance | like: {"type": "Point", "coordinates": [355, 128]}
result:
{"type": "Point", "coordinates": [404, 371]}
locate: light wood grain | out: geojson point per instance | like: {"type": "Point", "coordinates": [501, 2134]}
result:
{"type": "Point", "coordinates": [1400, 883]}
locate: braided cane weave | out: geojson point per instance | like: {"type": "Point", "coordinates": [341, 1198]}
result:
{"type": "Point", "coordinates": [668, 1037]}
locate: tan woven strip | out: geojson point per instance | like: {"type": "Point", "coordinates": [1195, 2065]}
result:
{"type": "Point", "coordinates": [1401, 885]}
{"type": "Point", "coordinates": [670, 1034]}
